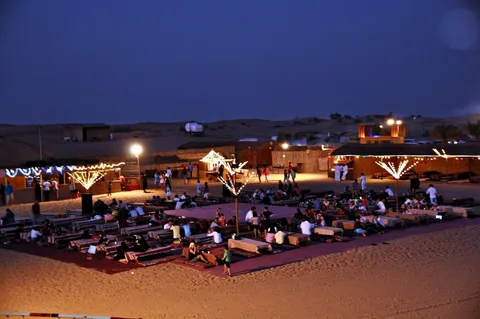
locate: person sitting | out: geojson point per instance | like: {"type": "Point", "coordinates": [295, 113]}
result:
{"type": "Point", "coordinates": [9, 217]}
{"type": "Point", "coordinates": [100, 207]}
{"type": "Point", "coordinates": [271, 231]}
{"type": "Point", "coordinates": [195, 255]}
{"type": "Point", "coordinates": [378, 224]}
{"type": "Point", "coordinates": [109, 217]}
{"type": "Point", "coordinates": [140, 244]}
{"type": "Point", "coordinates": [133, 213]}
{"type": "Point", "coordinates": [140, 211]}
{"type": "Point", "coordinates": [155, 219]}
{"type": "Point", "coordinates": [86, 234]}
{"type": "Point", "coordinates": [103, 239]}
{"type": "Point", "coordinates": [221, 220]}
{"type": "Point", "coordinates": [321, 220]}
{"type": "Point", "coordinates": [280, 237]}
{"type": "Point", "coordinates": [113, 204]}
{"type": "Point", "coordinates": [217, 237]}
{"type": "Point", "coordinates": [36, 235]}
{"type": "Point", "coordinates": [168, 225]}
{"type": "Point", "coordinates": [120, 254]}
{"type": "Point", "coordinates": [306, 227]}
{"type": "Point", "coordinates": [389, 191]}
{"type": "Point", "coordinates": [175, 228]}
{"type": "Point", "coordinates": [381, 209]}
{"type": "Point", "coordinates": [232, 221]}
{"type": "Point", "coordinates": [215, 223]}
{"type": "Point", "coordinates": [187, 232]}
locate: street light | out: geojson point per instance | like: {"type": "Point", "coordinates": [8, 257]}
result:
{"type": "Point", "coordinates": [390, 121]}
{"type": "Point", "coordinates": [285, 146]}
{"type": "Point", "coordinates": [136, 150]}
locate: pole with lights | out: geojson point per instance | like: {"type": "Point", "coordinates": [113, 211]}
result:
{"type": "Point", "coordinates": [444, 155]}
{"type": "Point", "coordinates": [136, 150]}
{"type": "Point", "coordinates": [230, 182]}
{"type": "Point", "coordinates": [396, 171]}
{"type": "Point", "coordinates": [285, 147]}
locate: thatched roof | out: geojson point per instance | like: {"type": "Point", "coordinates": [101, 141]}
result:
{"type": "Point", "coordinates": [459, 150]}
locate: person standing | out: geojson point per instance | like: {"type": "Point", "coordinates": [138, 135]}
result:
{"type": "Point", "coordinates": [55, 189]}
{"type": "Point", "coordinates": [156, 178]}
{"type": "Point", "coordinates": [109, 188]}
{"type": "Point", "coordinates": [9, 194]}
{"type": "Point", "coordinates": [414, 184]}
{"type": "Point", "coordinates": [227, 260]}
{"type": "Point", "coordinates": [363, 182]}
{"type": "Point", "coordinates": [266, 173]}
{"type": "Point", "coordinates": [145, 183]}
{"type": "Point", "coordinates": [432, 193]}
{"type": "Point", "coordinates": [2, 195]}
{"type": "Point", "coordinates": [46, 190]}
{"type": "Point", "coordinates": [36, 213]}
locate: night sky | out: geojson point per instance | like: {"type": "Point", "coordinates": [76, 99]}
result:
{"type": "Point", "coordinates": [118, 61]}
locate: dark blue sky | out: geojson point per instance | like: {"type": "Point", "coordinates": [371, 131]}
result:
{"type": "Point", "coordinates": [121, 61]}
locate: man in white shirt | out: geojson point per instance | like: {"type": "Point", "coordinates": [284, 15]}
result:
{"type": "Point", "coordinates": [36, 235]}
{"type": "Point", "coordinates": [183, 197]}
{"type": "Point", "coordinates": [250, 214]}
{"type": "Point", "coordinates": [432, 193]}
{"type": "Point", "coordinates": [381, 207]}
{"type": "Point", "coordinates": [389, 191]}
{"type": "Point", "coordinates": [217, 238]}
{"type": "Point", "coordinates": [46, 191]}
{"type": "Point", "coordinates": [168, 174]}
{"type": "Point", "coordinates": [306, 227]}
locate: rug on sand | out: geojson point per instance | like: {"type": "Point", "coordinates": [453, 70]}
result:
{"type": "Point", "coordinates": [98, 262]}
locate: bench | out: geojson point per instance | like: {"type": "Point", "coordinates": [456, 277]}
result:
{"type": "Point", "coordinates": [108, 227]}
{"type": "Point", "coordinates": [86, 224]}
{"type": "Point", "coordinates": [132, 256]}
{"type": "Point", "coordinates": [62, 240]}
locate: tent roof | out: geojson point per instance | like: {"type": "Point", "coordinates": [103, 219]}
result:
{"type": "Point", "coordinates": [458, 150]}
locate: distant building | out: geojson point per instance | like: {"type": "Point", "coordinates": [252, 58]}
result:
{"type": "Point", "coordinates": [90, 133]}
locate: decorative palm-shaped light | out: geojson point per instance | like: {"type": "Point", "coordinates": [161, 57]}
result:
{"type": "Point", "coordinates": [441, 153]}
{"type": "Point", "coordinates": [231, 181]}
{"type": "Point", "coordinates": [86, 178]}
{"type": "Point", "coordinates": [396, 172]}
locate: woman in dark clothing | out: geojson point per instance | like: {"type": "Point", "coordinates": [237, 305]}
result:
{"type": "Point", "coordinates": [103, 239]}
{"type": "Point", "coordinates": [140, 244]}
{"type": "Point", "coordinates": [120, 254]}
{"type": "Point", "coordinates": [9, 217]}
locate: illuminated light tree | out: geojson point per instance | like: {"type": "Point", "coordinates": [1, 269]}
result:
{"type": "Point", "coordinates": [230, 182]}
{"type": "Point", "coordinates": [396, 172]}
{"type": "Point", "coordinates": [86, 178]}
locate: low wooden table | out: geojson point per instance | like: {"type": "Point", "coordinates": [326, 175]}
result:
{"type": "Point", "coordinates": [345, 224]}
{"type": "Point", "coordinates": [249, 245]}
{"type": "Point", "coordinates": [296, 239]}
{"type": "Point", "coordinates": [328, 231]}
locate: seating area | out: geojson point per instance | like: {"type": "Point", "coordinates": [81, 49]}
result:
{"type": "Point", "coordinates": [152, 238]}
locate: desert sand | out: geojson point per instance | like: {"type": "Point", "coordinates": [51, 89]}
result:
{"type": "Point", "coordinates": [427, 276]}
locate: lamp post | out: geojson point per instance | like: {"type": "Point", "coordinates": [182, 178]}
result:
{"type": "Point", "coordinates": [285, 147]}
{"type": "Point", "coordinates": [136, 150]}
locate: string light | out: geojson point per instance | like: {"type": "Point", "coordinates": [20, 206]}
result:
{"type": "Point", "coordinates": [27, 172]}
{"type": "Point", "coordinates": [441, 154]}
{"type": "Point", "coordinates": [214, 157]}
{"type": "Point", "coordinates": [396, 172]}
{"type": "Point", "coordinates": [101, 166]}
{"type": "Point", "coordinates": [87, 178]}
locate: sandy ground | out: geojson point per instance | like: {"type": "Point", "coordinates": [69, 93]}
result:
{"type": "Point", "coordinates": [426, 276]}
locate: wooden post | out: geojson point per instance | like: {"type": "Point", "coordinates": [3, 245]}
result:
{"type": "Point", "coordinates": [236, 215]}
{"type": "Point", "coordinates": [396, 195]}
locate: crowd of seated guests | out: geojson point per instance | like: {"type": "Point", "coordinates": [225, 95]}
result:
{"type": "Point", "coordinates": [286, 191]}
{"type": "Point", "coordinates": [155, 201]}
{"type": "Point", "coordinates": [137, 243]}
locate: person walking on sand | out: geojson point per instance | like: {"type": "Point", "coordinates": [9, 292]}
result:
{"type": "Point", "coordinates": [363, 182]}
{"type": "Point", "coordinates": [227, 260]}
{"type": "Point", "coordinates": [266, 173]}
